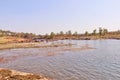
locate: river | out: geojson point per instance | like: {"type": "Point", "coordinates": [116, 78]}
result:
{"type": "Point", "coordinates": [101, 63]}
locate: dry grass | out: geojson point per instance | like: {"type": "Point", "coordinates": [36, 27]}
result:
{"type": "Point", "coordinates": [18, 45]}
{"type": "Point", "coordinates": [4, 40]}
{"type": "Point", "coordinates": [30, 45]}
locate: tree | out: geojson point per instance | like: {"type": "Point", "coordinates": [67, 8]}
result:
{"type": "Point", "coordinates": [75, 33]}
{"type": "Point", "coordinates": [86, 33]}
{"type": "Point", "coordinates": [1, 33]}
{"type": "Point", "coordinates": [69, 33]}
{"type": "Point", "coordinates": [61, 33]}
{"type": "Point", "coordinates": [105, 31]}
{"type": "Point", "coordinates": [94, 32]}
{"type": "Point", "coordinates": [13, 34]}
{"type": "Point", "coordinates": [52, 35]}
{"type": "Point", "coordinates": [100, 31]}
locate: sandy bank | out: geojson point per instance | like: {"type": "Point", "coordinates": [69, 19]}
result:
{"type": "Point", "coordinates": [17, 45]}
{"type": "Point", "coordinates": [30, 45]}
{"type": "Point", "coordinates": [6, 74]}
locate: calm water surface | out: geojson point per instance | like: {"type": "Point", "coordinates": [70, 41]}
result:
{"type": "Point", "coordinates": [102, 63]}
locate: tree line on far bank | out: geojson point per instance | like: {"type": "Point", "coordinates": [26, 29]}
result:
{"type": "Point", "coordinates": [4, 33]}
{"type": "Point", "coordinates": [100, 32]}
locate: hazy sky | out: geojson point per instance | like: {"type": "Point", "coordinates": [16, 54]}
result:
{"type": "Point", "coordinates": [45, 16]}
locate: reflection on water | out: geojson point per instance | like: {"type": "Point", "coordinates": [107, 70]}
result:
{"type": "Point", "coordinates": [102, 63]}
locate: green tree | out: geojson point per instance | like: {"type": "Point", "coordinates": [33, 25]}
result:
{"type": "Point", "coordinates": [100, 31]}
{"type": "Point", "coordinates": [61, 33]}
{"type": "Point", "coordinates": [1, 33]}
{"type": "Point", "coordinates": [86, 33]}
{"type": "Point", "coordinates": [69, 33]}
{"type": "Point", "coordinates": [52, 35]}
{"type": "Point", "coordinates": [94, 32]}
{"type": "Point", "coordinates": [75, 33]}
{"type": "Point", "coordinates": [105, 31]}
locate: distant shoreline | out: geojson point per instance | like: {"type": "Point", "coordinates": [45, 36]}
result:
{"type": "Point", "coordinates": [37, 44]}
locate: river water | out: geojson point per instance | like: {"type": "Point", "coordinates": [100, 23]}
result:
{"type": "Point", "coordinates": [101, 63]}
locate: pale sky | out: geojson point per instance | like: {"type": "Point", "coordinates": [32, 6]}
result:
{"type": "Point", "coordinates": [45, 16]}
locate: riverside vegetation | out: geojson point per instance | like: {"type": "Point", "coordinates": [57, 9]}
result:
{"type": "Point", "coordinates": [101, 33]}
{"type": "Point", "coordinates": [10, 39]}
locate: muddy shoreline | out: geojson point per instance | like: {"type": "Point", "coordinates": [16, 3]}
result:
{"type": "Point", "coordinates": [30, 45]}
{"type": "Point", "coordinates": [7, 74]}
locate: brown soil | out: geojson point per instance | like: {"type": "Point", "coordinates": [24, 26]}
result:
{"type": "Point", "coordinates": [6, 74]}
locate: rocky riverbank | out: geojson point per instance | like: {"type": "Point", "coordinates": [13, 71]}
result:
{"type": "Point", "coordinates": [7, 74]}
